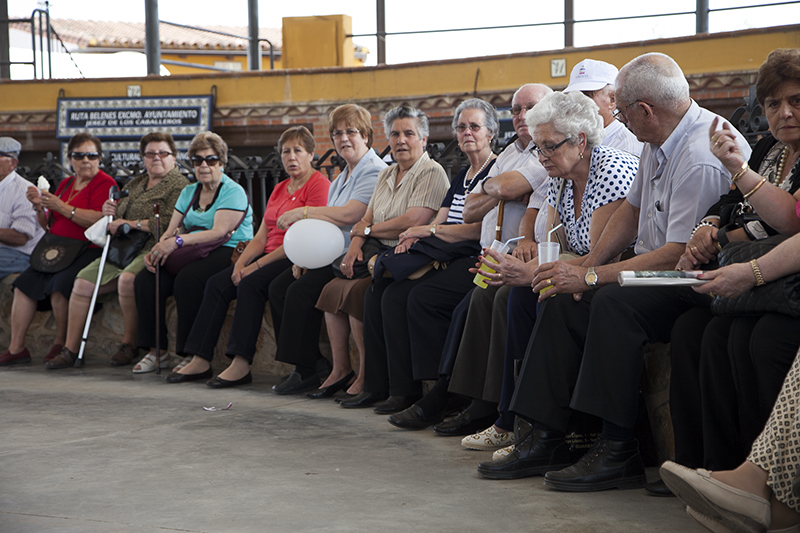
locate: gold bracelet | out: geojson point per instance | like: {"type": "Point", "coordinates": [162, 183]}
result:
{"type": "Point", "coordinates": [433, 229]}
{"type": "Point", "coordinates": [754, 189]}
{"type": "Point", "coordinates": [742, 171]}
{"type": "Point", "coordinates": [305, 212]}
{"type": "Point", "coordinates": [757, 273]}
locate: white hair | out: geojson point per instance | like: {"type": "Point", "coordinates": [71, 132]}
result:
{"type": "Point", "coordinates": [570, 114]}
{"type": "Point", "coordinates": [654, 78]}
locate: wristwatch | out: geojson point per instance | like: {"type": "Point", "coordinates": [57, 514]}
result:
{"type": "Point", "coordinates": [367, 230]}
{"type": "Point", "coordinates": [591, 278]}
{"type": "Point", "coordinates": [179, 241]}
{"type": "Point", "coordinates": [139, 224]}
{"type": "Point", "coordinates": [433, 229]}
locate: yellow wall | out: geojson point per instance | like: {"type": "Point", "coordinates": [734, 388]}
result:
{"type": "Point", "coordinates": [742, 51]}
{"type": "Point", "coordinates": [310, 42]}
{"type": "Point", "coordinates": [211, 59]}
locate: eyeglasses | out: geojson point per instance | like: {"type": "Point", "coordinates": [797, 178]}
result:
{"type": "Point", "coordinates": [80, 156]}
{"type": "Point", "coordinates": [546, 151]}
{"type": "Point", "coordinates": [619, 114]}
{"type": "Point", "coordinates": [211, 160]}
{"type": "Point", "coordinates": [474, 128]}
{"type": "Point", "coordinates": [517, 109]}
{"type": "Point", "coordinates": [350, 132]}
{"type": "Point", "coordinates": [152, 155]}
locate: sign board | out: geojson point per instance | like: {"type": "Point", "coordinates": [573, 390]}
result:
{"type": "Point", "coordinates": [131, 118]}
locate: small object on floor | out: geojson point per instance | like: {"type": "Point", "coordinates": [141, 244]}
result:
{"type": "Point", "coordinates": [64, 359]}
{"type": "Point", "coordinates": [488, 440]}
{"type": "Point", "coordinates": [362, 400]}
{"type": "Point", "coordinates": [395, 404]}
{"type": "Point", "coordinates": [295, 384]}
{"type": "Point", "coordinates": [148, 363]}
{"type": "Point", "coordinates": [174, 377]}
{"type": "Point", "coordinates": [330, 390]}
{"type": "Point", "coordinates": [414, 418]}
{"type": "Point", "coordinates": [218, 408]}
{"type": "Point", "coordinates": [8, 358]}
{"type": "Point", "coordinates": [54, 351]}
{"type": "Point", "coordinates": [463, 424]}
{"type": "Point", "coordinates": [658, 488]}
{"type": "Point", "coordinates": [124, 356]}
{"type": "Point", "coordinates": [219, 383]}
{"type": "Point", "coordinates": [609, 464]}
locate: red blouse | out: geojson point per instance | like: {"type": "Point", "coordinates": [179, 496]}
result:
{"type": "Point", "coordinates": [314, 192]}
{"type": "Point", "coordinates": [92, 196]}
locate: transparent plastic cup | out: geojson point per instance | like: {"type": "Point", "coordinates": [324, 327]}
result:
{"type": "Point", "coordinates": [501, 248]}
{"type": "Point", "coordinates": [548, 253]}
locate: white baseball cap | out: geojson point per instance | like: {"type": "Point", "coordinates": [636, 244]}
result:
{"type": "Point", "coordinates": [10, 146]}
{"type": "Point", "coordinates": [591, 75]}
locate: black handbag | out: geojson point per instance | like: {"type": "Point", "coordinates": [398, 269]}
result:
{"type": "Point", "coordinates": [124, 247]}
{"type": "Point", "coordinates": [360, 268]}
{"type": "Point", "coordinates": [779, 296]}
{"type": "Point", "coordinates": [54, 253]}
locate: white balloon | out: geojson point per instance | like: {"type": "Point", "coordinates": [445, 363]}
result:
{"type": "Point", "coordinates": [311, 243]}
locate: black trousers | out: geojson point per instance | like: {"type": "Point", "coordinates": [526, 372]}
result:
{"type": "Point", "coordinates": [187, 287]}
{"type": "Point", "coordinates": [588, 355]}
{"type": "Point", "coordinates": [251, 298]}
{"type": "Point", "coordinates": [295, 318]}
{"type": "Point", "coordinates": [742, 363]}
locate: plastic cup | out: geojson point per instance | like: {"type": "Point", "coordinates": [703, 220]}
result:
{"type": "Point", "coordinates": [501, 248]}
{"type": "Point", "coordinates": [548, 253]}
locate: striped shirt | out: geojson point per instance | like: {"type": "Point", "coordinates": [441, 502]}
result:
{"type": "Point", "coordinates": [17, 213]}
{"type": "Point", "coordinates": [424, 185]}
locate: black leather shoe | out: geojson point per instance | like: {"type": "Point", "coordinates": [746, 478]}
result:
{"type": "Point", "coordinates": [295, 384]}
{"type": "Point", "coordinates": [330, 390]}
{"type": "Point", "coordinates": [395, 404]}
{"type": "Point", "coordinates": [607, 465]}
{"type": "Point", "coordinates": [535, 453]}
{"type": "Point", "coordinates": [175, 377]}
{"type": "Point", "coordinates": [344, 397]}
{"type": "Point", "coordinates": [219, 383]}
{"type": "Point", "coordinates": [362, 400]}
{"type": "Point", "coordinates": [658, 488]}
{"type": "Point", "coordinates": [64, 359]}
{"type": "Point", "coordinates": [463, 424]}
{"type": "Point", "coordinates": [414, 418]}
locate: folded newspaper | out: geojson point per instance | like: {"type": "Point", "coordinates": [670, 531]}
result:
{"type": "Point", "coordinates": [645, 278]}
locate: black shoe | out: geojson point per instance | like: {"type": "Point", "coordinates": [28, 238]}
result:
{"type": "Point", "coordinates": [414, 418]}
{"type": "Point", "coordinates": [362, 400]}
{"type": "Point", "coordinates": [658, 488]}
{"type": "Point", "coordinates": [534, 454]}
{"type": "Point", "coordinates": [219, 383]}
{"type": "Point", "coordinates": [295, 384]}
{"type": "Point", "coordinates": [607, 465]}
{"type": "Point", "coordinates": [330, 390]}
{"type": "Point", "coordinates": [463, 424]}
{"type": "Point", "coordinates": [344, 397]}
{"type": "Point", "coordinates": [175, 377]}
{"type": "Point", "coordinates": [64, 359]}
{"type": "Point", "coordinates": [395, 404]}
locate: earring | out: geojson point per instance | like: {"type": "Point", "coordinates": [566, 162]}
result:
{"type": "Point", "coordinates": [581, 154]}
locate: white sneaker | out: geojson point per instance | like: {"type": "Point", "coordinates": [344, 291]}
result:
{"type": "Point", "coordinates": [488, 439]}
{"type": "Point", "coordinates": [502, 452]}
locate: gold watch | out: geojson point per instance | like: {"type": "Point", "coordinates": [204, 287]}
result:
{"type": "Point", "coordinates": [591, 278]}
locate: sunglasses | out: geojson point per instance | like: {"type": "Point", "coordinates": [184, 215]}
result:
{"type": "Point", "coordinates": [152, 155]}
{"type": "Point", "coordinates": [80, 156]}
{"type": "Point", "coordinates": [211, 160]}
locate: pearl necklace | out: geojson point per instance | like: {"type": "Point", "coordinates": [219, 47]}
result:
{"type": "Point", "coordinates": [468, 181]}
{"type": "Point", "coordinates": [781, 162]}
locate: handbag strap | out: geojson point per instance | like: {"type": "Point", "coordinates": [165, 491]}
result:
{"type": "Point", "coordinates": [50, 212]}
{"type": "Point", "coordinates": [196, 195]}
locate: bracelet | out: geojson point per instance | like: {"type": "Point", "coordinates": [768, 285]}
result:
{"type": "Point", "coordinates": [73, 213]}
{"type": "Point", "coordinates": [754, 189]}
{"type": "Point", "coordinates": [701, 224]}
{"type": "Point", "coordinates": [757, 273]}
{"type": "Point", "coordinates": [305, 212]}
{"type": "Point", "coordinates": [742, 171]}
{"type": "Point", "coordinates": [257, 265]}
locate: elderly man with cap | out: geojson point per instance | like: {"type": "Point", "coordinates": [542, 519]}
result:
{"type": "Point", "coordinates": [19, 230]}
{"type": "Point", "coordinates": [596, 80]}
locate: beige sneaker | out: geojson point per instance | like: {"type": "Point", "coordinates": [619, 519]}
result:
{"type": "Point", "coordinates": [489, 440]}
{"type": "Point", "coordinates": [502, 452]}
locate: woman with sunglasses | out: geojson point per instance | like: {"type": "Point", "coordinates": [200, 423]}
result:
{"type": "Point", "coordinates": [75, 206]}
{"type": "Point", "coordinates": [215, 206]}
{"type": "Point", "coordinates": [160, 184]}
{"type": "Point", "coordinates": [249, 279]}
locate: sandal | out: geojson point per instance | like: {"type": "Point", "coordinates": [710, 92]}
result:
{"type": "Point", "coordinates": [185, 361]}
{"type": "Point", "coordinates": [148, 363]}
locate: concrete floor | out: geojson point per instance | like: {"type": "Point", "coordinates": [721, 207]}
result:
{"type": "Point", "coordinates": [103, 450]}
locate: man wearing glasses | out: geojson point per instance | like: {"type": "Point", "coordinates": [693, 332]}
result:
{"type": "Point", "coordinates": [587, 347]}
{"type": "Point", "coordinates": [596, 79]}
{"type": "Point", "coordinates": [19, 230]}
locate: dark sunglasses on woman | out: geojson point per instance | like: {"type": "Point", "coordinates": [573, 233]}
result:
{"type": "Point", "coordinates": [210, 160]}
{"type": "Point", "coordinates": [80, 156]}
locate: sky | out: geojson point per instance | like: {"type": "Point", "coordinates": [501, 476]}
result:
{"type": "Point", "coordinates": [417, 15]}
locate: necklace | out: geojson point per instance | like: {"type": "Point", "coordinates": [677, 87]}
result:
{"type": "Point", "coordinates": [781, 162]}
{"type": "Point", "coordinates": [467, 179]}
{"type": "Point", "coordinates": [73, 192]}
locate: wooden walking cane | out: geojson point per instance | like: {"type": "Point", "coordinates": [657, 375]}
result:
{"type": "Point", "coordinates": [498, 229]}
{"type": "Point", "coordinates": [158, 292]}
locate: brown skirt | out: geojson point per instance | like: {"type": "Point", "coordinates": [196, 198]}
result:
{"type": "Point", "coordinates": [344, 296]}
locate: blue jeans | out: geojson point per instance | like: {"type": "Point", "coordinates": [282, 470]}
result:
{"type": "Point", "coordinates": [12, 261]}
